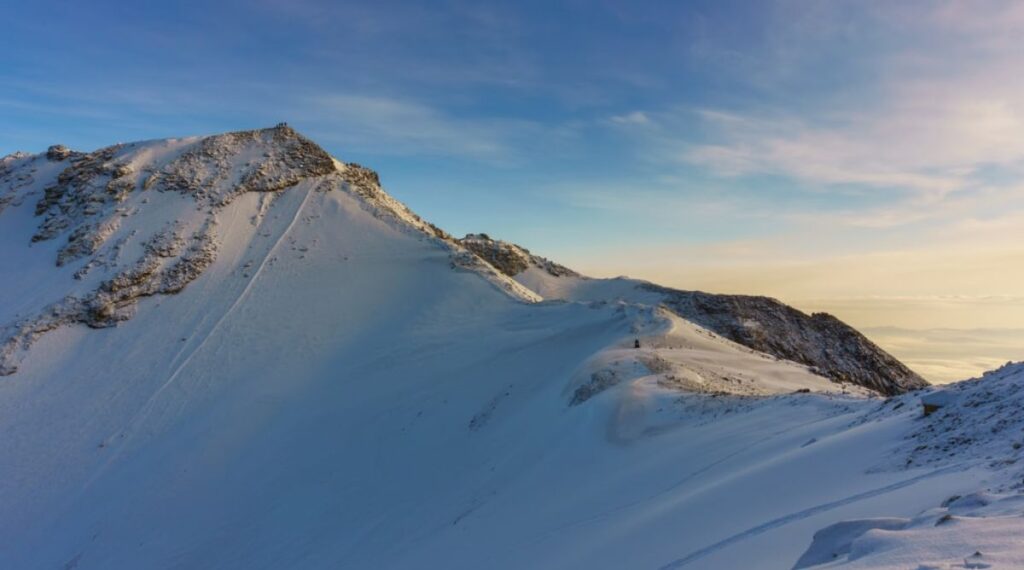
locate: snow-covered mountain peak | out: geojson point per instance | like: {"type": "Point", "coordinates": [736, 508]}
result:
{"type": "Point", "coordinates": [140, 219]}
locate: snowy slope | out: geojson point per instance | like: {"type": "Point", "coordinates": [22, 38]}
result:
{"type": "Point", "coordinates": [834, 349]}
{"type": "Point", "coordinates": [979, 422]}
{"type": "Point", "coordinates": [338, 384]}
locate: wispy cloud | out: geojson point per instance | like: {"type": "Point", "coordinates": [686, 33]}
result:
{"type": "Point", "coordinates": [631, 118]}
{"type": "Point", "coordinates": [926, 137]}
{"type": "Point", "coordinates": [396, 126]}
{"type": "Point", "coordinates": [930, 129]}
{"type": "Point", "coordinates": [403, 127]}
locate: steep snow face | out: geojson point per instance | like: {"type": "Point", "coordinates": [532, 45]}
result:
{"type": "Point", "coordinates": [821, 341]}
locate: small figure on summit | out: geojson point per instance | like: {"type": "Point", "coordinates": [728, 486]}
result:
{"type": "Point", "coordinates": [636, 343]}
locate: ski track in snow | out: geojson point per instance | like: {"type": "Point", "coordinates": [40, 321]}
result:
{"type": "Point", "coordinates": [800, 515]}
{"type": "Point", "coordinates": [148, 407]}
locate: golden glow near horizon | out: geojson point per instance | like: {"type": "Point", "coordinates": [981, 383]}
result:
{"type": "Point", "coordinates": [949, 313]}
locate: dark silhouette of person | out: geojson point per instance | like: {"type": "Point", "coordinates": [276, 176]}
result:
{"type": "Point", "coordinates": [636, 343]}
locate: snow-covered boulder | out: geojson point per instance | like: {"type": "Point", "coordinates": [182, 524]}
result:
{"type": "Point", "coordinates": [934, 400]}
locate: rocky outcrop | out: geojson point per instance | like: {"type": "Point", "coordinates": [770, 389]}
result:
{"type": "Point", "coordinates": [165, 267]}
{"type": "Point", "coordinates": [510, 258]}
{"type": "Point", "coordinates": [832, 348]}
{"type": "Point", "coordinates": [89, 199]}
{"type": "Point", "coordinates": [58, 152]}
{"type": "Point", "coordinates": [16, 172]}
{"type": "Point", "coordinates": [824, 343]}
{"type": "Point", "coordinates": [284, 158]}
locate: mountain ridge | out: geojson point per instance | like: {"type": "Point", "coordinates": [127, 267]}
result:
{"type": "Point", "coordinates": [83, 201]}
{"type": "Point", "coordinates": [820, 340]}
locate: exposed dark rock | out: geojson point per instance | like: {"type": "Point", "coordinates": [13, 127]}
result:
{"type": "Point", "coordinates": [58, 152]}
{"type": "Point", "coordinates": [84, 204]}
{"type": "Point", "coordinates": [821, 341]}
{"type": "Point", "coordinates": [361, 175]}
{"type": "Point", "coordinates": [510, 258]}
{"type": "Point", "coordinates": [287, 159]}
{"type": "Point", "coordinates": [77, 194]}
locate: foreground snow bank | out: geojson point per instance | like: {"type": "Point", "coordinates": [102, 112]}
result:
{"type": "Point", "coordinates": [980, 530]}
{"type": "Point", "coordinates": [976, 422]}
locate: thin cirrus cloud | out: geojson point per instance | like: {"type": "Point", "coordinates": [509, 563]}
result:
{"type": "Point", "coordinates": [922, 150]}
{"type": "Point", "coordinates": [393, 126]}
{"type": "Point", "coordinates": [929, 147]}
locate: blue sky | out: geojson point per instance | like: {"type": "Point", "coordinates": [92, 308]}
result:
{"type": "Point", "coordinates": [838, 155]}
